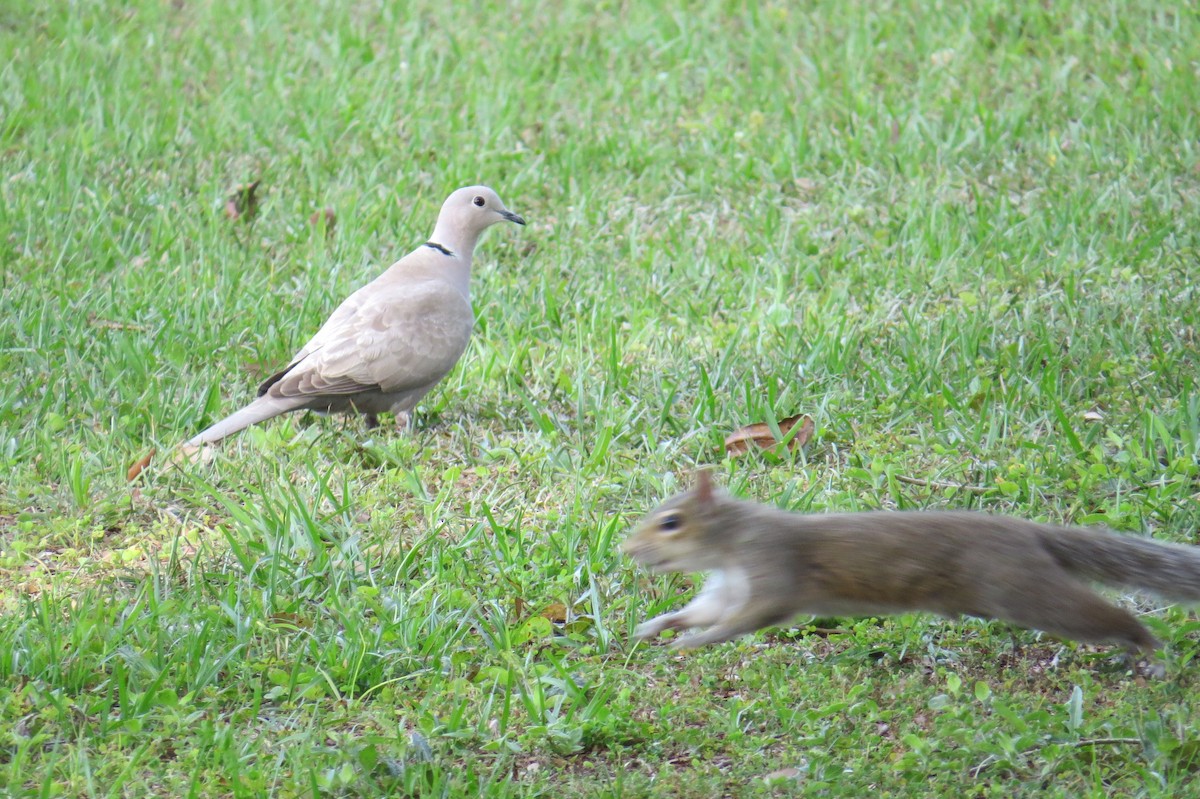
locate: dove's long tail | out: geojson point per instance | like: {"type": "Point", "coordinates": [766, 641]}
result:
{"type": "Point", "coordinates": [260, 410]}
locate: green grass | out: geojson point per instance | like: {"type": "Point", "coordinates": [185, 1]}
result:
{"type": "Point", "coordinates": [964, 239]}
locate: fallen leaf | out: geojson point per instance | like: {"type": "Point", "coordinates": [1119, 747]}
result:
{"type": "Point", "coordinates": [531, 136]}
{"type": "Point", "coordinates": [241, 203]}
{"type": "Point", "coordinates": [324, 217]}
{"type": "Point", "coordinates": [798, 187]}
{"type": "Point", "coordinates": [791, 773]}
{"type": "Point", "coordinates": [285, 619]}
{"type": "Point", "coordinates": [759, 434]}
{"type": "Point", "coordinates": [108, 324]}
{"type": "Point", "coordinates": [258, 370]}
{"type": "Point", "coordinates": [138, 466]}
{"type": "Point", "coordinates": [555, 612]}
{"type": "Point", "coordinates": [190, 453]}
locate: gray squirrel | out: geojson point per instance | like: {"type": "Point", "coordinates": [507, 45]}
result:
{"type": "Point", "coordinates": [767, 565]}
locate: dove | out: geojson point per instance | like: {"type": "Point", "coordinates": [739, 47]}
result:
{"type": "Point", "coordinates": [391, 341]}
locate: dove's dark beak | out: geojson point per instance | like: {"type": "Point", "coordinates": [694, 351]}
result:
{"type": "Point", "coordinates": [511, 217]}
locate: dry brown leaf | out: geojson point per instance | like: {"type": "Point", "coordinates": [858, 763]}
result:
{"type": "Point", "coordinates": [139, 465]}
{"type": "Point", "coordinates": [241, 203]}
{"type": "Point", "coordinates": [555, 612]}
{"type": "Point", "coordinates": [759, 434]}
{"type": "Point", "coordinates": [324, 217]}
{"type": "Point", "coordinates": [518, 607]}
{"type": "Point", "coordinates": [257, 370]}
{"type": "Point", "coordinates": [190, 453]}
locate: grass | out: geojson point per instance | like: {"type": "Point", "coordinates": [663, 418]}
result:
{"type": "Point", "coordinates": [964, 239]}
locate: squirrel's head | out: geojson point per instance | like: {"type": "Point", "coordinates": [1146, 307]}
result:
{"type": "Point", "coordinates": [674, 536]}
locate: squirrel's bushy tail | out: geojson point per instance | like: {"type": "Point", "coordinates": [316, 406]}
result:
{"type": "Point", "coordinates": [1169, 570]}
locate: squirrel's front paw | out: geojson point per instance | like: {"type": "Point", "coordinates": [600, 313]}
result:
{"type": "Point", "coordinates": [689, 641]}
{"type": "Point", "coordinates": [655, 626]}
{"type": "Point", "coordinates": [649, 629]}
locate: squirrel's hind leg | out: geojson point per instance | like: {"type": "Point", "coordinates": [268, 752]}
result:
{"type": "Point", "coordinates": [1073, 610]}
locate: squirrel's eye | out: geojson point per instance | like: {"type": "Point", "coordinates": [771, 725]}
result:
{"type": "Point", "coordinates": [670, 523]}
{"type": "Point", "coordinates": [479, 201]}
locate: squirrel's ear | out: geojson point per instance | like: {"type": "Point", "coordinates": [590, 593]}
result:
{"type": "Point", "coordinates": [704, 485]}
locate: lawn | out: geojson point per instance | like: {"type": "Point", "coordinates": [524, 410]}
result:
{"type": "Point", "coordinates": [964, 238]}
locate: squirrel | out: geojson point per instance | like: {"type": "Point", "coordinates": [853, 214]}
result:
{"type": "Point", "coordinates": [768, 565]}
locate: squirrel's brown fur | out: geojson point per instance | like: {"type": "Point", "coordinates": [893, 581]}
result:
{"type": "Point", "coordinates": [768, 565]}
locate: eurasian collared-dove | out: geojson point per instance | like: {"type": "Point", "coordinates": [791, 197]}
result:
{"type": "Point", "coordinates": [391, 341]}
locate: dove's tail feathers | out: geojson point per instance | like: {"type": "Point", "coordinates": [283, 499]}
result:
{"type": "Point", "coordinates": [260, 410]}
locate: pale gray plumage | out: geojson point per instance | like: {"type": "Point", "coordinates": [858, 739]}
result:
{"type": "Point", "coordinates": [391, 341]}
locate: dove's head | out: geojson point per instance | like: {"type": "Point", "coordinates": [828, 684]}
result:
{"type": "Point", "coordinates": [466, 214]}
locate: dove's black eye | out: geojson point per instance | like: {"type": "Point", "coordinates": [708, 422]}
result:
{"type": "Point", "coordinates": [670, 522]}
{"type": "Point", "coordinates": [479, 201]}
